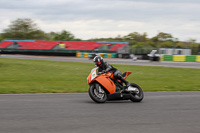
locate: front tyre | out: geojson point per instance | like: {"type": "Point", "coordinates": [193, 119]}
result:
{"type": "Point", "coordinates": [97, 93]}
{"type": "Point", "coordinates": [137, 95]}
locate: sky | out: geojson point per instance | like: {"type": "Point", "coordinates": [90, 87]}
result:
{"type": "Point", "coordinates": [87, 19]}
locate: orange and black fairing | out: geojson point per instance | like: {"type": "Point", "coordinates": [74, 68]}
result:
{"type": "Point", "coordinates": [106, 82]}
{"type": "Point", "coordinates": [104, 79]}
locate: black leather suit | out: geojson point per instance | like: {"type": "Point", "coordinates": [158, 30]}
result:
{"type": "Point", "coordinates": [105, 67]}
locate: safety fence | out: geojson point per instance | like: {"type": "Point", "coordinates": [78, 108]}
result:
{"type": "Point", "coordinates": [187, 58]}
{"type": "Point", "coordinates": [104, 55]}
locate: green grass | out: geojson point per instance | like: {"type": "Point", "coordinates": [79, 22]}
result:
{"type": "Point", "coordinates": [39, 76]}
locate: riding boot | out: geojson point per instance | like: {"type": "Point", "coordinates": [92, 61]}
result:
{"type": "Point", "coordinates": [125, 81]}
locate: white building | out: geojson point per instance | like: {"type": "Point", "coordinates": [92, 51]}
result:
{"type": "Point", "coordinates": [175, 51]}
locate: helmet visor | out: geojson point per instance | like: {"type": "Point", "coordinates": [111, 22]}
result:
{"type": "Point", "coordinates": [96, 63]}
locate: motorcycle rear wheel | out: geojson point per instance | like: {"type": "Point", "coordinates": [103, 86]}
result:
{"type": "Point", "coordinates": [98, 95]}
{"type": "Point", "coordinates": [136, 96]}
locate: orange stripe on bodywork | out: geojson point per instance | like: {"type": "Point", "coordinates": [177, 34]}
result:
{"type": "Point", "coordinates": [107, 83]}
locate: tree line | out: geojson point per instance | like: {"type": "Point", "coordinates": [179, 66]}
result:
{"type": "Point", "coordinates": [27, 29]}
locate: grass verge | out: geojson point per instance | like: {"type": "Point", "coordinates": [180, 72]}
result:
{"type": "Point", "coordinates": [39, 76]}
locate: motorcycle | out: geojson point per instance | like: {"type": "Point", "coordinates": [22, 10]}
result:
{"type": "Point", "coordinates": [104, 87]}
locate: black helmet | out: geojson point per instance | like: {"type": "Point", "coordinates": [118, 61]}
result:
{"type": "Point", "coordinates": [98, 60]}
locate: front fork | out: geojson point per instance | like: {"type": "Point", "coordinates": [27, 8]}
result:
{"type": "Point", "coordinates": [99, 88]}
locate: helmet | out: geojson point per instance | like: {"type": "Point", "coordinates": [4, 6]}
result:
{"type": "Point", "coordinates": [98, 60]}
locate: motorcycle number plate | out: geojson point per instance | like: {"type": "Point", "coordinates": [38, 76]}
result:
{"type": "Point", "coordinates": [94, 74]}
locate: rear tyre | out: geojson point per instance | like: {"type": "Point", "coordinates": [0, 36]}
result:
{"type": "Point", "coordinates": [138, 95]}
{"type": "Point", "coordinates": [98, 95]}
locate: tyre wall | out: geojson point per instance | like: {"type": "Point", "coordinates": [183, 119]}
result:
{"type": "Point", "coordinates": [187, 58]}
{"type": "Point", "coordinates": [104, 55]}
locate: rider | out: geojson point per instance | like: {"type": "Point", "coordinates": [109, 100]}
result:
{"type": "Point", "coordinates": [104, 67]}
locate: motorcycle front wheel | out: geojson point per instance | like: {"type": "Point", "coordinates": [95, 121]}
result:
{"type": "Point", "coordinates": [97, 93]}
{"type": "Point", "coordinates": [138, 95]}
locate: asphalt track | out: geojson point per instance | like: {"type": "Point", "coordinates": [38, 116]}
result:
{"type": "Point", "coordinates": [111, 61]}
{"type": "Point", "coordinates": [159, 112]}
